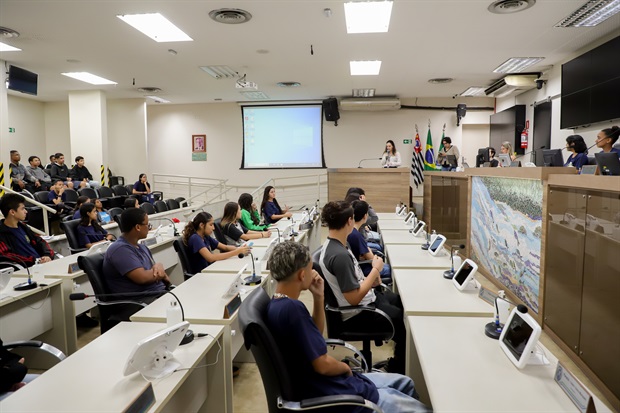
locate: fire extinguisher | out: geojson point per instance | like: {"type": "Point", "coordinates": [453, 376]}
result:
{"type": "Point", "coordinates": [524, 135]}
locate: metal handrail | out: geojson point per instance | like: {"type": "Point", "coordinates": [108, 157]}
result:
{"type": "Point", "coordinates": [46, 225]}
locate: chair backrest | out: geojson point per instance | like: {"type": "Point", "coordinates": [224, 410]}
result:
{"type": "Point", "coordinates": [333, 319]}
{"type": "Point", "coordinates": [172, 204]}
{"type": "Point", "coordinates": [26, 194]}
{"type": "Point", "coordinates": [89, 192]}
{"type": "Point", "coordinates": [129, 189]}
{"type": "Point", "coordinates": [148, 208]}
{"type": "Point", "coordinates": [219, 235]}
{"type": "Point", "coordinates": [70, 229]}
{"type": "Point", "coordinates": [115, 211]}
{"type": "Point", "coordinates": [180, 201]}
{"type": "Point", "coordinates": [160, 206]}
{"type": "Point", "coordinates": [105, 192]}
{"type": "Point", "coordinates": [120, 190]}
{"type": "Point", "coordinates": [182, 252]}
{"type": "Point", "coordinates": [71, 195]}
{"type": "Point", "coordinates": [92, 265]}
{"type": "Point", "coordinates": [259, 340]}
{"type": "Point", "coordinates": [41, 196]}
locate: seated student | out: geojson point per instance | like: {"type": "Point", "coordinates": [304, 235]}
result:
{"type": "Point", "coordinates": [57, 197]}
{"type": "Point", "coordinates": [12, 372]}
{"type": "Point", "coordinates": [372, 237]}
{"type": "Point", "coordinates": [21, 178]}
{"type": "Point", "coordinates": [373, 218]}
{"type": "Point", "coordinates": [606, 139]}
{"type": "Point", "coordinates": [233, 230]}
{"type": "Point", "coordinates": [38, 173]}
{"type": "Point", "coordinates": [578, 150]}
{"type": "Point", "coordinates": [18, 243]}
{"type": "Point", "coordinates": [142, 189]}
{"type": "Point", "coordinates": [271, 209]}
{"type": "Point", "coordinates": [78, 204]}
{"type": "Point", "coordinates": [493, 163]}
{"type": "Point", "coordinates": [249, 215]}
{"type": "Point", "coordinates": [131, 202]}
{"type": "Point", "coordinates": [348, 283]}
{"type": "Point", "coordinates": [80, 173]}
{"type": "Point", "coordinates": [52, 161]}
{"type": "Point", "coordinates": [357, 243]}
{"type": "Point", "coordinates": [60, 172]}
{"type": "Point", "coordinates": [299, 337]}
{"type": "Point", "coordinates": [102, 215]}
{"type": "Point", "coordinates": [89, 231]}
{"type": "Point", "coordinates": [129, 266]}
{"type": "Point", "coordinates": [197, 237]}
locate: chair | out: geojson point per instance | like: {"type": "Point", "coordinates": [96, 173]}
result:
{"type": "Point", "coordinates": [219, 234]}
{"type": "Point", "coordinates": [111, 311]}
{"type": "Point", "coordinates": [383, 330]}
{"type": "Point", "coordinates": [129, 189]}
{"type": "Point", "coordinates": [113, 201]}
{"type": "Point", "coordinates": [279, 389]}
{"type": "Point", "coordinates": [148, 208]}
{"type": "Point", "coordinates": [172, 204]}
{"type": "Point", "coordinates": [71, 197]}
{"type": "Point", "coordinates": [116, 211]}
{"type": "Point", "coordinates": [181, 249]}
{"type": "Point", "coordinates": [41, 196]}
{"type": "Point", "coordinates": [180, 201]}
{"type": "Point", "coordinates": [39, 345]}
{"type": "Point", "coordinates": [89, 192]}
{"type": "Point", "coordinates": [120, 190]}
{"type": "Point", "coordinates": [70, 230]}
{"type": "Point", "coordinates": [160, 206]}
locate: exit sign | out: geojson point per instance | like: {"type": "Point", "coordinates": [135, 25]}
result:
{"type": "Point", "coordinates": [406, 141]}
{"type": "Point", "coordinates": [11, 130]}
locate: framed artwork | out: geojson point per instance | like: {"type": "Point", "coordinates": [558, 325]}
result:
{"type": "Point", "coordinates": [199, 147]}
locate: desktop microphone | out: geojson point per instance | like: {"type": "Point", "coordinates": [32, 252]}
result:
{"type": "Point", "coordinates": [253, 279]}
{"type": "Point", "coordinates": [428, 241]}
{"type": "Point", "coordinates": [277, 229]}
{"type": "Point", "coordinates": [242, 255]}
{"type": "Point", "coordinates": [174, 227]}
{"type": "Point", "coordinates": [532, 151]}
{"type": "Point", "coordinates": [494, 328]}
{"type": "Point", "coordinates": [26, 285]}
{"type": "Point", "coordinates": [449, 274]}
{"type": "Point", "coordinates": [359, 165]}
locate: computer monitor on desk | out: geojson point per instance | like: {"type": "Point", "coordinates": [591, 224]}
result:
{"type": "Point", "coordinates": [552, 157]}
{"type": "Point", "coordinates": [482, 157]}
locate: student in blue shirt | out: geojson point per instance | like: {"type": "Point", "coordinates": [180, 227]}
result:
{"type": "Point", "coordinates": [89, 231]}
{"type": "Point", "coordinates": [142, 189]}
{"type": "Point", "coordinates": [606, 139]}
{"type": "Point", "coordinates": [270, 208]}
{"type": "Point", "coordinates": [57, 197]}
{"type": "Point", "coordinates": [78, 204]}
{"type": "Point", "coordinates": [197, 237]}
{"type": "Point", "coordinates": [299, 337]}
{"type": "Point", "coordinates": [578, 151]}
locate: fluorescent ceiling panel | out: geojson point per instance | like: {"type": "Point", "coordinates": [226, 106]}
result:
{"type": "Point", "coordinates": [591, 13]}
{"type": "Point", "coordinates": [517, 64]}
{"type": "Point", "coordinates": [155, 26]}
{"type": "Point", "coordinates": [89, 78]}
{"type": "Point", "coordinates": [364, 93]}
{"type": "Point", "coordinates": [158, 99]}
{"type": "Point", "coordinates": [368, 16]}
{"type": "Point", "coordinates": [365, 67]}
{"type": "Point", "coordinates": [8, 48]}
{"type": "Point", "coordinates": [474, 91]}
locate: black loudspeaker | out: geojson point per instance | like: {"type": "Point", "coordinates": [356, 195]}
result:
{"type": "Point", "coordinates": [461, 110]}
{"type": "Point", "coordinates": [330, 108]}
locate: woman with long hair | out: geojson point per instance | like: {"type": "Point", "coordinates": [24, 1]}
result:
{"type": "Point", "coordinates": [578, 151]}
{"type": "Point", "coordinates": [391, 157]}
{"type": "Point", "coordinates": [90, 231]}
{"type": "Point", "coordinates": [506, 149]}
{"type": "Point", "coordinates": [249, 214]}
{"type": "Point", "coordinates": [233, 230]}
{"type": "Point", "coordinates": [142, 189]}
{"type": "Point", "coordinates": [271, 209]}
{"type": "Point", "coordinates": [80, 201]}
{"type": "Point", "coordinates": [200, 244]}
{"type": "Point", "coordinates": [606, 139]}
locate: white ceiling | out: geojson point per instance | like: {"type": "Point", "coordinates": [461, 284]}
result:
{"type": "Point", "coordinates": [427, 39]}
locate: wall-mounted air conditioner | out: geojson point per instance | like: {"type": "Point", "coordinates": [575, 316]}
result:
{"type": "Point", "coordinates": [368, 104]}
{"type": "Point", "coordinates": [512, 84]}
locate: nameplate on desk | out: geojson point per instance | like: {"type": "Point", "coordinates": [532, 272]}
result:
{"type": "Point", "coordinates": [143, 402]}
{"type": "Point", "coordinates": [589, 170]}
{"type": "Point", "coordinates": [73, 267]}
{"type": "Point", "coordinates": [306, 225]}
{"type": "Point", "coordinates": [487, 295]}
{"type": "Point", "coordinates": [232, 306]}
{"type": "Point", "coordinates": [574, 390]}
{"type": "Point", "coordinates": [150, 241]}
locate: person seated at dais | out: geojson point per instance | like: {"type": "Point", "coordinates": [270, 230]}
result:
{"type": "Point", "coordinates": [270, 207]}
{"type": "Point", "coordinates": [89, 231]}
{"type": "Point", "coordinates": [232, 229]}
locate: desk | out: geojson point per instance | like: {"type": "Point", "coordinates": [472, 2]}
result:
{"type": "Point", "coordinates": [393, 224]}
{"type": "Point", "coordinates": [43, 309]}
{"type": "Point", "coordinates": [234, 264]}
{"type": "Point", "coordinates": [462, 370]}
{"type": "Point", "coordinates": [426, 292]}
{"type": "Point", "coordinates": [390, 216]}
{"type": "Point", "coordinates": [413, 257]}
{"type": "Point", "coordinates": [201, 297]}
{"type": "Point", "coordinates": [102, 387]}
{"type": "Point", "coordinates": [401, 236]}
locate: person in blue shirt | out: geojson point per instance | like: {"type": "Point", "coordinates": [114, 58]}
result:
{"type": "Point", "coordinates": [197, 237]}
{"type": "Point", "coordinates": [142, 189]}
{"type": "Point", "coordinates": [57, 197]}
{"type": "Point", "coordinates": [299, 337]}
{"type": "Point", "coordinates": [606, 139]}
{"type": "Point", "coordinates": [578, 151]}
{"type": "Point", "coordinates": [89, 231]}
{"type": "Point", "coordinates": [270, 208]}
{"type": "Point", "coordinates": [78, 204]}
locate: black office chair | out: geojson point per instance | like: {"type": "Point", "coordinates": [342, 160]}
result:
{"type": "Point", "coordinates": [129, 189]}
{"type": "Point", "coordinates": [114, 212]}
{"type": "Point", "coordinates": [111, 311]}
{"type": "Point", "coordinates": [70, 230]}
{"type": "Point", "coordinates": [181, 249]}
{"type": "Point", "coordinates": [148, 208]}
{"type": "Point", "coordinates": [181, 202]}
{"type": "Point", "coordinates": [89, 192]}
{"type": "Point", "coordinates": [219, 234]}
{"type": "Point", "coordinates": [112, 200]}
{"type": "Point", "coordinates": [41, 196]}
{"type": "Point", "coordinates": [279, 389]}
{"type": "Point", "coordinates": [160, 206]}
{"type": "Point", "coordinates": [120, 190]}
{"type": "Point", "coordinates": [383, 329]}
{"type": "Point", "coordinates": [71, 197]}
{"type": "Point", "coordinates": [172, 204]}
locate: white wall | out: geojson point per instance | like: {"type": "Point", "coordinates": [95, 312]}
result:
{"type": "Point", "coordinates": [127, 138]}
{"type": "Point", "coordinates": [27, 117]}
{"type": "Point", "coordinates": [57, 130]}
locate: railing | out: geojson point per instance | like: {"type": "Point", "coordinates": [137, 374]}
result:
{"type": "Point", "coordinates": [46, 225]}
{"type": "Point", "coordinates": [296, 191]}
{"type": "Point", "coordinates": [193, 188]}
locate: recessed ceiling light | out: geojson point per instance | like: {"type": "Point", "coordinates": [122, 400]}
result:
{"type": "Point", "coordinates": [517, 64]}
{"type": "Point", "coordinates": [365, 67]}
{"type": "Point", "coordinates": [155, 26]}
{"type": "Point", "coordinates": [368, 16]}
{"type": "Point", "coordinates": [510, 6]}
{"type": "Point", "coordinates": [89, 78]}
{"type": "Point", "coordinates": [157, 99]}
{"type": "Point", "coordinates": [438, 80]}
{"type": "Point", "coordinates": [230, 16]}
{"type": "Point", "coordinates": [592, 13]}
{"type": "Point", "coordinates": [220, 72]}
{"type": "Point", "coordinates": [474, 91]}
{"type": "Point", "coordinates": [255, 95]}
{"type": "Point", "coordinates": [363, 93]}
{"type": "Point", "coordinates": [6, 33]}
{"type": "Point", "coordinates": [8, 48]}
{"type": "Point", "coordinates": [288, 84]}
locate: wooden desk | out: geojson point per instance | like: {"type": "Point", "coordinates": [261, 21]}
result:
{"type": "Point", "coordinates": [92, 380]}
{"type": "Point", "coordinates": [35, 314]}
{"type": "Point", "coordinates": [401, 236]}
{"type": "Point", "coordinates": [426, 292]}
{"type": "Point", "coordinates": [413, 257]}
{"type": "Point", "coordinates": [459, 369]}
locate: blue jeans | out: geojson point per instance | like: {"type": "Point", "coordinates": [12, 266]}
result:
{"type": "Point", "coordinates": [396, 393]}
{"type": "Point", "coordinates": [375, 246]}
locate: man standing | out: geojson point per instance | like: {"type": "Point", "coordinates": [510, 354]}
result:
{"type": "Point", "coordinates": [22, 179]}
{"type": "Point", "coordinates": [37, 172]}
{"type": "Point", "coordinates": [79, 173]}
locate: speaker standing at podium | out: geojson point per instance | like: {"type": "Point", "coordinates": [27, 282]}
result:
{"type": "Point", "coordinates": [390, 157]}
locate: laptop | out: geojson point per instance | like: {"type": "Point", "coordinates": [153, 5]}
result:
{"type": "Point", "coordinates": [608, 163]}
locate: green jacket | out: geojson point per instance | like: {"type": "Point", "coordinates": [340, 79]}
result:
{"type": "Point", "coordinates": [246, 220]}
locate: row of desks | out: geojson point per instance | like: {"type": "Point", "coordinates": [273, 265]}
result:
{"type": "Point", "coordinates": [455, 367]}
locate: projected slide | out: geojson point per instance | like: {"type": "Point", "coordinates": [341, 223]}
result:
{"type": "Point", "coordinates": [282, 137]}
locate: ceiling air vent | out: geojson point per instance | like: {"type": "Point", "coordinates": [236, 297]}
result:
{"type": "Point", "coordinates": [369, 104]}
{"type": "Point", "coordinates": [149, 89]}
{"type": "Point", "coordinates": [510, 6]}
{"type": "Point", "coordinates": [230, 16]}
{"type": "Point", "coordinates": [512, 84]}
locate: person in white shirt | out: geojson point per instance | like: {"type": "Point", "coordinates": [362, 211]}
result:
{"type": "Point", "coordinates": [391, 157]}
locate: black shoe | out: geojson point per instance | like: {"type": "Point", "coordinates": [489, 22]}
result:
{"type": "Point", "coordinates": [84, 321]}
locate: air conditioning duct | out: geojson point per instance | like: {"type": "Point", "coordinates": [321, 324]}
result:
{"type": "Point", "coordinates": [369, 104]}
{"type": "Point", "coordinates": [512, 84]}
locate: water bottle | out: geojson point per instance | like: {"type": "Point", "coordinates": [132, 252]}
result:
{"type": "Point", "coordinates": [397, 208]}
{"type": "Point", "coordinates": [457, 260]}
{"type": "Point", "coordinates": [173, 314]}
{"type": "Point", "coordinates": [433, 236]}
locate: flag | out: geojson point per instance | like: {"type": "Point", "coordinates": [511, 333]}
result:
{"type": "Point", "coordinates": [443, 134]}
{"type": "Point", "coordinates": [417, 162]}
{"type": "Point", "coordinates": [429, 156]}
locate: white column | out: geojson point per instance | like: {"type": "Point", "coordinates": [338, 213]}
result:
{"type": "Point", "coordinates": [5, 157]}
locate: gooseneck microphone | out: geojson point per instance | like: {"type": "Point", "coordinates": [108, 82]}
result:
{"type": "Point", "coordinates": [359, 165]}
{"type": "Point", "coordinates": [29, 284]}
{"type": "Point", "coordinates": [449, 274]}
{"type": "Point", "coordinates": [253, 279]}
{"type": "Point", "coordinates": [277, 229]}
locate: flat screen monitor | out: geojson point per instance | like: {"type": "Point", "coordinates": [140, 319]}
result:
{"type": "Point", "coordinates": [519, 336]}
{"type": "Point", "coordinates": [21, 80]}
{"type": "Point", "coordinates": [465, 274]}
{"type": "Point", "coordinates": [608, 163]}
{"type": "Point", "coordinates": [437, 244]}
{"type": "Point", "coordinates": [482, 157]}
{"type": "Point", "coordinates": [552, 157]}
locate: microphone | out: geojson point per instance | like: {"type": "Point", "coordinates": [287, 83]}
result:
{"type": "Point", "coordinates": [449, 274]}
{"type": "Point", "coordinates": [26, 285]}
{"type": "Point", "coordinates": [242, 255]}
{"type": "Point", "coordinates": [174, 227]}
{"type": "Point", "coordinates": [532, 151]}
{"type": "Point", "coordinates": [428, 240]}
{"type": "Point", "coordinates": [277, 229]}
{"type": "Point", "coordinates": [253, 279]}
{"type": "Point", "coordinates": [494, 328]}
{"type": "Point", "coordinates": [359, 165]}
